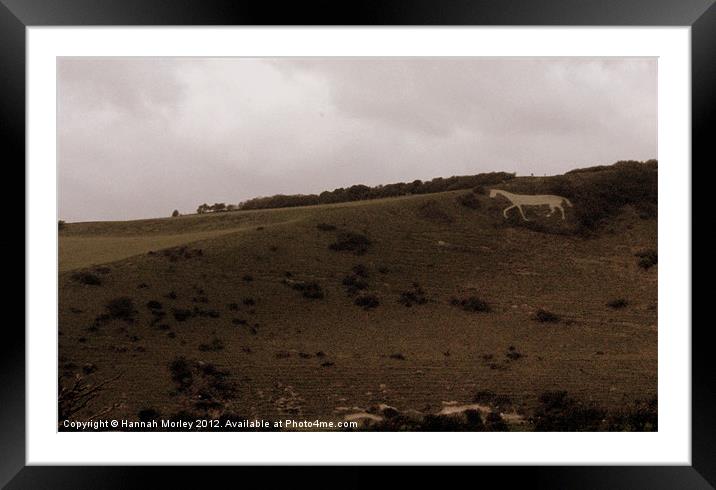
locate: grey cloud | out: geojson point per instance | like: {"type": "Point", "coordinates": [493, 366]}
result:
{"type": "Point", "coordinates": [140, 137]}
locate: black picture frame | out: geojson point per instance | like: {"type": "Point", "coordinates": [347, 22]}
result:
{"type": "Point", "coordinates": [16, 15]}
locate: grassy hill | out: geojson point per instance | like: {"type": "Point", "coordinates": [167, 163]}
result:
{"type": "Point", "coordinates": [428, 304]}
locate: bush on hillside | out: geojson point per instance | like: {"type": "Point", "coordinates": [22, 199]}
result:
{"type": "Point", "coordinates": [367, 301]}
{"type": "Point", "coordinates": [469, 201]}
{"type": "Point", "coordinates": [351, 242]}
{"type": "Point", "coordinates": [87, 278]}
{"type": "Point", "coordinates": [472, 304]}
{"type": "Point", "coordinates": [647, 258]}
{"type": "Point", "coordinates": [121, 309]}
{"type": "Point", "coordinates": [544, 316]}
{"type": "Point", "coordinates": [558, 412]}
{"type": "Point", "coordinates": [618, 303]}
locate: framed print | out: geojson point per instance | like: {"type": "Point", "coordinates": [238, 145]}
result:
{"type": "Point", "coordinates": [410, 234]}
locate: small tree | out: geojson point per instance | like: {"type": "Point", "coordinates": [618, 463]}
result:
{"type": "Point", "coordinates": [175, 213]}
{"type": "Point", "coordinates": [202, 208]}
{"type": "Point", "coordinates": [60, 224]}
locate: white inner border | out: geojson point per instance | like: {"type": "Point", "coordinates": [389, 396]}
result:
{"type": "Point", "coordinates": [671, 445]}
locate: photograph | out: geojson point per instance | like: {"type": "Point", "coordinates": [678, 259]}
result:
{"type": "Point", "coordinates": [357, 244]}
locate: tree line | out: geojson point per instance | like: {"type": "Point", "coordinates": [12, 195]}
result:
{"type": "Point", "coordinates": [362, 192]}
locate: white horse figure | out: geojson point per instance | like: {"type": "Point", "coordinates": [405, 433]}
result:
{"type": "Point", "coordinates": [519, 200]}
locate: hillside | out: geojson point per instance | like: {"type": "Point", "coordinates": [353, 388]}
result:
{"type": "Point", "coordinates": [425, 303]}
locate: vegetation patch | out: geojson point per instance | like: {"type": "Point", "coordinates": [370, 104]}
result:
{"type": "Point", "coordinates": [175, 254]}
{"type": "Point", "coordinates": [512, 353]}
{"type": "Point", "coordinates": [472, 304]}
{"type": "Point", "coordinates": [557, 412]}
{"type": "Point", "coordinates": [201, 384]}
{"type": "Point", "coordinates": [414, 296]}
{"type": "Point", "coordinates": [148, 415]}
{"type": "Point", "coordinates": [348, 241]}
{"type": "Point", "coordinates": [367, 301]}
{"type": "Point", "coordinates": [154, 305]}
{"type": "Point", "coordinates": [87, 278]}
{"type": "Point", "coordinates": [308, 289]}
{"type": "Point", "coordinates": [215, 345]}
{"type": "Point", "coordinates": [647, 258]}
{"type": "Point", "coordinates": [354, 283]}
{"type": "Point", "coordinates": [121, 309]}
{"type": "Point", "coordinates": [495, 423]}
{"type": "Point", "coordinates": [433, 212]}
{"type": "Point", "coordinates": [618, 303]}
{"type": "Point", "coordinates": [205, 313]}
{"type": "Point", "coordinates": [468, 200]}
{"type": "Point", "coordinates": [181, 373]}
{"type": "Point", "coordinates": [545, 316]}
{"type": "Point", "coordinates": [181, 314]}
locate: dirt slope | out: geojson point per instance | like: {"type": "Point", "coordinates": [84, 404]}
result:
{"type": "Point", "coordinates": [240, 285]}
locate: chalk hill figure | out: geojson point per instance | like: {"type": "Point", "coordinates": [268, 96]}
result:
{"type": "Point", "coordinates": [519, 200]}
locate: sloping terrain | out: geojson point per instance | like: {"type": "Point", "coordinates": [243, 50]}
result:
{"type": "Point", "coordinates": [255, 312]}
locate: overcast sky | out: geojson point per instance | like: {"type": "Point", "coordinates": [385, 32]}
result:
{"type": "Point", "coordinates": [139, 137]}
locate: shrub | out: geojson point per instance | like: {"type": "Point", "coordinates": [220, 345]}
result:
{"type": "Point", "coordinates": [87, 278]}
{"type": "Point", "coordinates": [512, 354]}
{"type": "Point", "coordinates": [617, 303]}
{"type": "Point", "coordinates": [545, 316]}
{"type": "Point", "coordinates": [647, 258]}
{"type": "Point", "coordinates": [470, 420]}
{"type": "Point", "coordinates": [495, 423]}
{"type": "Point", "coordinates": [325, 227]}
{"type": "Point", "coordinates": [248, 278]}
{"type": "Point", "coordinates": [181, 373]}
{"type": "Point", "coordinates": [416, 296]}
{"type": "Point", "coordinates": [484, 397]}
{"type": "Point", "coordinates": [354, 283]}
{"type": "Point", "coordinates": [640, 416]}
{"type": "Point", "coordinates": [175, 213]}
{"type": "Point", "coordinates": [367, 301]}
{"type": "Point", "coordinates": [469, 201]}
{"type": "Point", "coordinates": [148, 414]}
{"type": "Point", "coordinates": [181, 314]}
{"type": "Point", "coordinates": [472, 303]}
{"type": "Point", "coordinates": [154, 305]}
{"type": "Point", "coordinates": [76, 394]}
{"type": "Point", "coordinates": [121, 309]}
{"type": "Point", "coordinates": [311, 290]}
{"type": "Point", "coordinates": [479, 190]}
{"type": "Point", "coordinates": [432, 211]}
{"type": "Point", "coordinates": [351, 242]}
{"type": "Point", "coordinates": [398, 356]}
{"type": "Point", "coordinates": [215, 345]}
{"type": "Point", "coordinates": [557, 412]}
{"type": "Point", "coordinates": [602, 194]}
{"type": "Point", "coordinates": [60, 224]}
{"type": "Point", "coordinates": [360, 270]}
{"type": "Point", "coordinates": [205, 313]}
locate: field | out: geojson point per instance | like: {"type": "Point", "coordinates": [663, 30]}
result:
{"type": "Point", "coordinates": [427, 304]}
